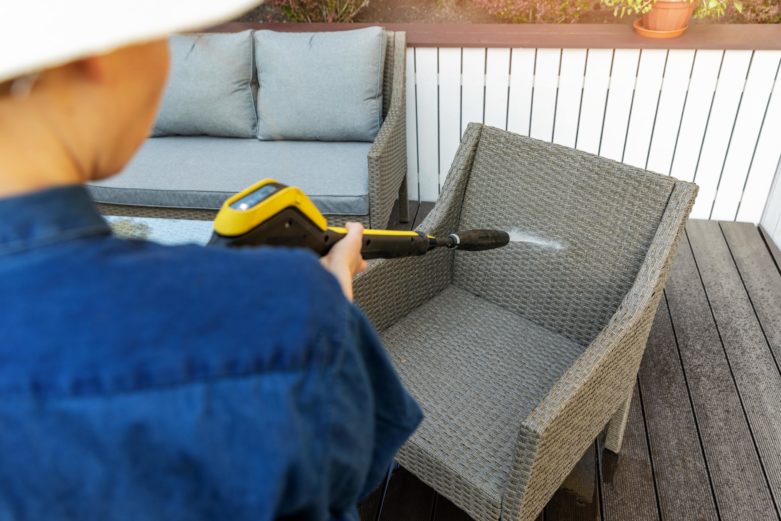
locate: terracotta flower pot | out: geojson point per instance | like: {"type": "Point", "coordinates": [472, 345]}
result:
{"type": "Point", "coordinates": [666, 19]}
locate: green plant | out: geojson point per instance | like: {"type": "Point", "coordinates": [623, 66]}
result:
{"type": "Point", "coordinates": [757, 12]}
{"type": "Point", "coordinates": [330, 11]}
{"type": "Point", "coordinates": [539, 11]}
{"type": "Point", "coordinates": [702, 9]}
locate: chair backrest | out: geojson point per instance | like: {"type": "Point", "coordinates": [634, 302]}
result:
{"type": "Point", "coordinates": [583, 225]}
{"type": "Point", "coordinates": [395, 49]}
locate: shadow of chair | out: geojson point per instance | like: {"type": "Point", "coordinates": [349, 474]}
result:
{"type": "Point", "coordinates": [521, 356]}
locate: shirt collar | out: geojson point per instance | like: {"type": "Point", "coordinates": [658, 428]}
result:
{"type": "Point", "coordinates": [46, 217]}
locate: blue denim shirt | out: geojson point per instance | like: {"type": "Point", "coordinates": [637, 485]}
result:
{"type": "Point", "coordinates": [144, 382]}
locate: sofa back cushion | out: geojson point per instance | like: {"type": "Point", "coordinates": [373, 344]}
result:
{"type": "Point", "coordinates": [324, 86]}
{"type": "Point", "coordinates": [209, 88]}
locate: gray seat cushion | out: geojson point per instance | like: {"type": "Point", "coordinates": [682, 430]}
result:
{"type": "Point", "coordinates": [477, 371]}
{"type": "Point", "coordinates": [201, 172]}
{"type": "Point", "coordinates": [209, 89]}
{"type": "Point", "coordinates": [320, 86]}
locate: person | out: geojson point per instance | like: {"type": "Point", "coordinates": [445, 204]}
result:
{"type": "Point", "coordinates": [145, 382]}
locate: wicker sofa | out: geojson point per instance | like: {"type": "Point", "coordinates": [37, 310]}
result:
{"type": "Point", "coordinates": [188, 177]}
{"type": "Point", "coordinates": [521, 356]}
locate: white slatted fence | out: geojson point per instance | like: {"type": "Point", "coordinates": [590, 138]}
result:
{"type": "Point", "coordinates": [711, 116]}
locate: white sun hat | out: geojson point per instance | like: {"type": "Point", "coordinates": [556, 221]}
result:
{"type": "Point", "coordinates": [40, 34]}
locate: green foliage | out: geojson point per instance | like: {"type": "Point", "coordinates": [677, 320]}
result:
{"type": "Point", "coordinates": [752, 11]}
{"type": "Point", "coordinates": [714, 8]}
{"type": "Point", "coordinates": [539, 11]}
{"type": "Point", "coordinates": [623, 8]}
{"type": "Point", "coordinates": [330, 11]}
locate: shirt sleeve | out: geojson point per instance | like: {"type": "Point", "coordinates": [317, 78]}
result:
{"type": "Point", "coordinates": [293, 416]}
{"type": "Point", "coordinates": [372, 416]}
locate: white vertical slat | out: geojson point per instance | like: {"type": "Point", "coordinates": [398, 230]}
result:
{"type": "Point", "coordinates": [720, 124]}
{"type": "Point", "coordinates": [669, 114]}
{"type": "Point", "coordinates": [546, 78]}
{"type": "Point", "coordinates": [496, 81]}
{"type": "Point", "coordinates": [764, 164]}
{"type": "Point", "coordinates": [449, 109]}
{"type": "Point", "coordinates": [771, 219]}
{"type": "Point", "coordinates": [428, 119]}
{"type": "Point", "coordinates": [592, 108]}
{"type": "Point", "coordinates": [759, 86]}
{"type": "Point", "coordinates": [573, 64]}
{"type": "Point", "coordinates": [619, 103]}
{"type": "Point", "coordinates": [412, 129]}
{"type": "Point", "coordinates": [644, 107]}
{"type": "Point", "coordinates": [521, 82]}
{"type": "Point", "coordinates": [473, 81]}
{"type": "Point", "coordinates": [695, 115]}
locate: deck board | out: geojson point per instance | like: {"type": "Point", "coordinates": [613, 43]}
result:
{"type": "Point", "coordinates": [732, 460]}
{"type": "Point", "coordinates": [751, 361]}
{"type": "Point", "coordinates": [408, 499]}
{"type": "Point", "coordinates": [760, 277]}
{"type": "Point", "coordinates": [702, 440]}
{"type": "Point", "coordinates": [628, 480]}
{"type": "Point", "coordinates": [681, 477]}
{"type": "Point", "coordinates": [423, 211]}
{"type": "Point", "coordinates": [445, 510]}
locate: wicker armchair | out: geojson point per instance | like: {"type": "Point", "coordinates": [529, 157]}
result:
{"type": "Point", "coordinates": [387, 158]}
{"type": "Point", "coordinates": [521, 356]}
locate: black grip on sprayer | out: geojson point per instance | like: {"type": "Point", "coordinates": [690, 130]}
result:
{"type": "Point", "coordinates": [478, 240]}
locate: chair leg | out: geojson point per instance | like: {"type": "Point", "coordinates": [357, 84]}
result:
{"type": "Point", "coordinates": [615, 427]}
{"type": "Point", "coordinates": [403, 202]}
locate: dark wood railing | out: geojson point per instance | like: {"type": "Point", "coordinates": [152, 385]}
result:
{"type": "Point", "coordinates": [592, 36]}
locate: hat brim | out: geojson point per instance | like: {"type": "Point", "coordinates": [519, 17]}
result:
{"type": "Point", "coordinates": [41, 34]}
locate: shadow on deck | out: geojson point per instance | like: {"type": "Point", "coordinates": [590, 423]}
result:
{"type": "Point", "coordinates": [704, 434]}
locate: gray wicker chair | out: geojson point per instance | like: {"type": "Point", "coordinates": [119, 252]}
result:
{"type": "Point", "coordinates": [521, 356]}
{"type": "Point", "coordinates": [387, 159]}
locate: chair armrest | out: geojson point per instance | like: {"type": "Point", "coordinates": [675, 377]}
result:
{"type": "Point", "coordinates": [390, 289]}
{"type": "Point", "coordinates": [556, 433]}
{"type": "Point", "coordinates": [388, 155]}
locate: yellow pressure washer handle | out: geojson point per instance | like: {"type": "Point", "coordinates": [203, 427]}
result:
{"type": "Point", "coordinates": [270, 213]}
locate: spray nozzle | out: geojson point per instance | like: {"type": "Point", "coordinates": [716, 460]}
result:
{"type": "Point", "coordinates": [474, 240]}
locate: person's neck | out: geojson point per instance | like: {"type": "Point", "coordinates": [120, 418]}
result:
{"type": "Point", "coordinates": [33, 155]}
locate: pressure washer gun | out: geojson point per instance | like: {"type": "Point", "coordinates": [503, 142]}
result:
{"type": "Point", "coordinates": [273, 214]}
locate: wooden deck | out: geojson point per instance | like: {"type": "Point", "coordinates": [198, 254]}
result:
{"type": "Point", "coordinates": [704, 433]}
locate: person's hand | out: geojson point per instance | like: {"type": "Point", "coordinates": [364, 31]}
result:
{"type": "Point", "coordinates": [344, 260]}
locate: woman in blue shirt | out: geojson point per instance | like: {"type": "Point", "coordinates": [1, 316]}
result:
{"type": "Point", "coordinates": [145, 382]}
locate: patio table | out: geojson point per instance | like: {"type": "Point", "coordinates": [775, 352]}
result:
{"type": "Point", "coordinates": [160, 230]}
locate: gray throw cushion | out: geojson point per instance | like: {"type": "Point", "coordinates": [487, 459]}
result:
{"type": "Point", "coordinates": [209, 88]}
{"type": "Point", "coordinates": [320, 86]}
{"type": "Point", "coordinates": [201, 172]}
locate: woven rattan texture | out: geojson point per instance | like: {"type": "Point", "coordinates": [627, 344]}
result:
{"type": "Point", "coordinates": [390, 289]}
{"type": "Point", "coordinates": [584, 257]}
{"type": "Point", "coordinates": [553, 438]}
{"type": "Point", "coordinates": [595, 387]}
{"type": "Point", "coordinates": [388, 154]}
{"type": "Point", "coordinates": [452, 352]}
{"type": "Point", "coordinates": [387, 159]}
